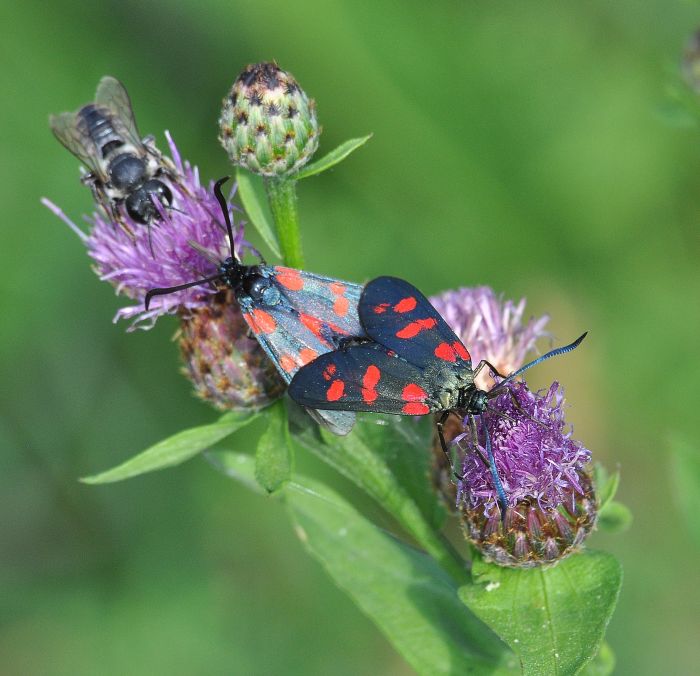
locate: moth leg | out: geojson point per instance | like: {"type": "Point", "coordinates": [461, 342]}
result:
{"type": "Point", "coordinates": [485, 362]}
{"type": "Point", "coordinates": [445, 449]}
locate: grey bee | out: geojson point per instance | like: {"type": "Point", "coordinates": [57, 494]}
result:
{"type": "Point", "coordinates": [123, 167]}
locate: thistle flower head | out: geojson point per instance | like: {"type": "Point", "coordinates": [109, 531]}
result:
{"type": "Point", "coordinates": [138, 258]}
{"type": "Point", "coordinates": [551, 504]}
{"type": "Point", "coordinates": [490, 327]}
{"type": "Point", "coordinates": [268, 124]}
{"type": "Point", "coordinates": [225, 364]}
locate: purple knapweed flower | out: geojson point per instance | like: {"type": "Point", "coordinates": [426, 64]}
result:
{"type": "Point", "coordinates": [551, 502]}
{"type": "Point", "coordinates": [138, 258]}
{"type": "Point", "coordinates": [226, 367]}
{"type": "Point", "coordinates": [491, 328]}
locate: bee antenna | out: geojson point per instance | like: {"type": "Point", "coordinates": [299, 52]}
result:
{"type": "Point", "coordinates": [224, 209]}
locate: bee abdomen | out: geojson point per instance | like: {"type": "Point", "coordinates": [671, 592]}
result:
{"type": "Point", "coordinates": [99, 127]}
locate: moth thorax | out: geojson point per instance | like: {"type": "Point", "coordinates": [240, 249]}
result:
{"type": "Point", "coordinates": [262, 290]}
{"type": "Point", "coordinates": [473, 400]}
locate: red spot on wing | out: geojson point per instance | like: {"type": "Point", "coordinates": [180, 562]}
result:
{"type": "Point", "coordinates": [341, 306]}
{"type": "Point", "coordinates": [312, 323]}
{"type": "Point", "coordinates": [406, 304]}
{"type": "Point", "coordinates": [262, 321]}
{"type": "Point", "coordinates": [413, 392]}
{"type": "Point", "coordinates": [287, 363]}
{"type": "Point", "coordinates": [329, 371]}
{"type": "Point", "coordinates": [369, 383]}
{"type": "Point", "coordinates": [335, 391]}
{"type": "Point", "coordinates": [289, 278]}
{"type": "Point", "coordinates": [316, 326]}
{"type": "Point", "coordinates": [461, 350]}
{"type": "Point", "coordinates": [445, 351]}
{"type": "Point", "coordinates": [414, 408]}
{"type": "Point", "coordinates": [414, 328]}
{"type": "Point", "coordinates": [337, 289]}
{"type": "Point", "coordinates": [381, 308]}
{"type": "Point", "coordinates": [306, 355]}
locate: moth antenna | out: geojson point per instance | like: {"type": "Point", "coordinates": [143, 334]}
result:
{"type": "Point", "coordinates": [224, 210]}
{"type": "Point", "coordinates": [164, 291]}
{"type": "Point", "coordinates": [552, 353]}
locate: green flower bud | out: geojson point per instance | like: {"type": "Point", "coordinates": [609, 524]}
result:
{"type": "Point", "coordinates": [268, 125]}
{"type": "Point", "coordinates": [226, 365]}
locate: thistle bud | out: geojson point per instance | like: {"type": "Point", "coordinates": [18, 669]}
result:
{"type": "Point", "coordinates": [268, 125]}
{"type": "Point", "coordinates": [227, 367]}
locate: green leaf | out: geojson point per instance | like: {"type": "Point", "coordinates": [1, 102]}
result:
{"type": "Point", "coordinates": [176, 449]}
{"type": "Point", "coordinates": [553, 618]}
{"type": "Point", "coordinates": [605, 485]}
{"type": "Point", "coordinates": [614, 517]}
{"type": "Point", "coordinates": [273, 459]}
{"type": "Point", "coordinates": [602, 664]}
{"type": "Point", "coordinates": [685, 473]}
{"type": "Point", "coordinates": [254, 199]}
{"type": "Point", "coordinates": [402, 590]}
{"type": "Point", "coordinates": [333, 157]}
{"type": "Point", "coordinates": [390, 458]}
{"type": "Point", "coordinates": [238, 466]}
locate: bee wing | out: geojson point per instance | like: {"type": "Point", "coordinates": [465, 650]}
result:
{"type": "Point", "coordinates": [65, 129]}
{"type": "Point", "coordinates": [113, 95]}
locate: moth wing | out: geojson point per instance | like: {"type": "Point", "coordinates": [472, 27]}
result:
{"type": "Point", "coordinates": [332, 300]}
{"type": "Point", "coordinates": [292, 336]}
{"type": "Point", "coordinates": [397, 315]}
{"type": "Point", "coordinates": [363, 378]}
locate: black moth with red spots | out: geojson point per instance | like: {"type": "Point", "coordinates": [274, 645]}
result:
{"type": "Point", "coordinates": [413, 364]}
{"type": "Point", "coordinates": [295, 315]}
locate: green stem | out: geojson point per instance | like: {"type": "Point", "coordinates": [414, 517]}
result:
{"type": "Point", "coordinates": [282, 195]}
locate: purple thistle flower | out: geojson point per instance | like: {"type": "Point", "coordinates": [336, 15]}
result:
{"type": "Point", "coordinates": [162, 254]}
{"type": "Point", "coordinates": [490, 327]}
{"type": "Point", "coordinates": [551, 503]}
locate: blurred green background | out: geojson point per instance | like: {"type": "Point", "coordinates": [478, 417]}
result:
{"type": "Point", "coordinates": [515, 144]}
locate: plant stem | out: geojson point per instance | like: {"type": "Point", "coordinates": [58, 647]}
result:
{"type": "Point", "coordinates": [282, 196]}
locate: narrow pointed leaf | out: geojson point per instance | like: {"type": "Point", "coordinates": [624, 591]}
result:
{"type": "Point", "coordinates": [603, 664]}
{"type": "Point", "coordinates": [614, 517]}
{"type": "Point", "coordinates": [176, 449]}
{"type": "Point", "coordinates": [553, 618]}
{"type": "Point", "coordinates": [334, 157]}
{"type": "Point", "coordinates": [253, 197]}
{"type": "Point", "coordinates": [402, 590]}
{"type": "Point", "coordinates": [273, 459]}
{"type": "Point", "coordinates": [389, 458]}
{"type": "Point", "coordinates": [606, 485]}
